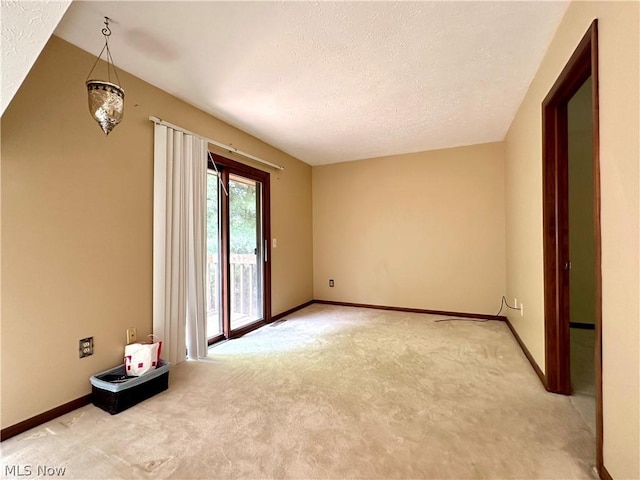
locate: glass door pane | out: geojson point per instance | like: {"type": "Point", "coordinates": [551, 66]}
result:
{"type": "Point", "coordinates": [213, 285]}
{"type": "Point", "coordinates": [245, 247]}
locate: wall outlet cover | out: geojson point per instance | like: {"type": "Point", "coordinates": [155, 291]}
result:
{"type": "Point", "coordinates": [132, 335]}
{"type": "Point", "coordinates": [86, 347]}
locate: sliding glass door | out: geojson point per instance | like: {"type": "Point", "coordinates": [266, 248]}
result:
{"type": "Point", "coordinates": [238, 268]}
{"type": "Point", "coordinates": [246, 251]}
{"type": "Point", "coordinates": [213, 286]}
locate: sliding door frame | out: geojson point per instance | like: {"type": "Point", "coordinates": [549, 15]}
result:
{"type": "Point", "coordinates": [226, 167]}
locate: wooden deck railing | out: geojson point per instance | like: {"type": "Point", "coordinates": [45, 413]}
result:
{"type": "Point", "coordinates": [243, 283]}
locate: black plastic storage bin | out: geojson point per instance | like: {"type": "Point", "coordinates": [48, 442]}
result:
{"type": "Point", "coordinates": [114, 397]}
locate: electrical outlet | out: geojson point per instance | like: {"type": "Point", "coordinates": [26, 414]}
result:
{"type": "Point", "coordinates": [274, 243]}
{"type": "Point", "coordinates": [86, 347]}
{"type": "Point", "coordinates": [132, 335]}
{"type": "Point", "coordinates": [331, 282]}
{"type": "Point", "coordinates": [521, 310]}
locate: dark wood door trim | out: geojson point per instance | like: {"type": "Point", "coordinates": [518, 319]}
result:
{"type": "Point", "coordinates": [225, 274]}
{"type": "Point", "coordinates": [595, 98]}
{"type": "Point", "coordinates": [582, 64]}
{"type": "Point", "coordinates": [227, 166]}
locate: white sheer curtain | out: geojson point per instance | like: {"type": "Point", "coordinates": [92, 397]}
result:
{"type": "Point", "coordinates": [179, 243]}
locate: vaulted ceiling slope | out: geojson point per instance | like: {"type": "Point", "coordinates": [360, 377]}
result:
{"type": "Point", "coordinates": [25, 30]}
{"type": "Point", "coordinates": [334, 81]}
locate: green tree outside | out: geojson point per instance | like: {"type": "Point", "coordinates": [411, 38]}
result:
{"type": "Point", "coordinates": [242, 216]}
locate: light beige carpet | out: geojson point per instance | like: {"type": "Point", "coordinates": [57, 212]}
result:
{"type": "Point", "coordinates": [333, 393]}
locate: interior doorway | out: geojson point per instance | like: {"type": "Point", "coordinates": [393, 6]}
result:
{"type": "Point", "coordinates": [582, 273]}
{"type": "Point", "coordinates": [238, 269]}
{"type": "Point", "coordinates": [571, 190]}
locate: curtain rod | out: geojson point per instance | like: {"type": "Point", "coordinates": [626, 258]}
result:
{"type": "Point", "coordinates": [228, 148]}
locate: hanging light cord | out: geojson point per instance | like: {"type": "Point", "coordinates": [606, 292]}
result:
{"type": "Point", "coordinates": [106, 31]}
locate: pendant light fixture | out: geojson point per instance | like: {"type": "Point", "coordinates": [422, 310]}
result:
{"type": "Point", "coordinates": [106, 99]}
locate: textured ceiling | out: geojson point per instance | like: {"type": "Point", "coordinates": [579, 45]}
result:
{"type": "Point", "coordinates": [334, 81]}
{"type": "Point", "coordinates": [26, 28]}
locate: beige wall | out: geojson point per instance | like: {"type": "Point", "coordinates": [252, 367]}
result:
{"type": "Point", "coordinates": [619, 55]}
{"type": "Point", "coordinates": [77, 228]}
{"type": "Point", "coordinates": [582, 285]}
{"type": "Point", "coordinates": [423, 230]}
